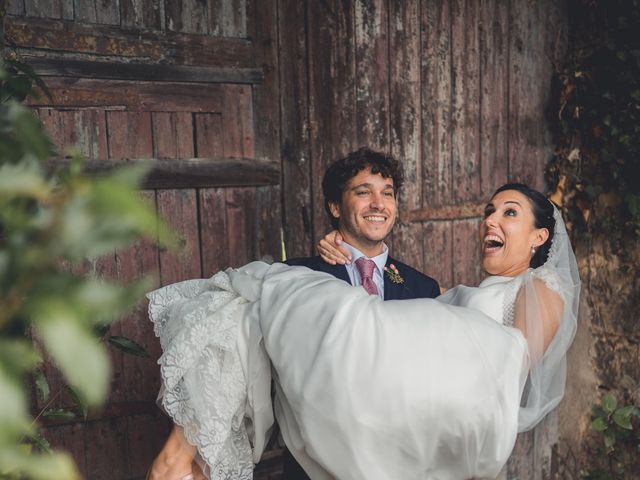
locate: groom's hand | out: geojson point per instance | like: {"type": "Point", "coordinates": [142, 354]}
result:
{"type": "Point", "coordinates": [331, 250]}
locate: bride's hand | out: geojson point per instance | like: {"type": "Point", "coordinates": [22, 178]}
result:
{"type": "Point", "coordinates": [174, 460]}
{"type": "Point", "coordinates": [331, 250]}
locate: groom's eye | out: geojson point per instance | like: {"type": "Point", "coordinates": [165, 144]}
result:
{"type": "Point", "coordinates": [389, 194]}
{"type": "Point", "coordinates": [362, 192]}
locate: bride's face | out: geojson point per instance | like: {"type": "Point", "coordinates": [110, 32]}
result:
{"type": "Point", "coordinates": [508, 234]}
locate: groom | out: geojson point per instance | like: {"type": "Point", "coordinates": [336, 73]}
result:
{"type": "Point", "coordinates": [360, 195]}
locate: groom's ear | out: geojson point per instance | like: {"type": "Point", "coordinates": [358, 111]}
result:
{"type": "Point", "coordinates": [334, 208]}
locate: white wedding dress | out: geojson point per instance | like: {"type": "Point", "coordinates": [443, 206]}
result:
{"type": "Point", "coordinates": [365, 389]}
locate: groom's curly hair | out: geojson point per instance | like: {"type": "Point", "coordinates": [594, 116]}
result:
{"type": "Point", "coordinates": [341, 171]}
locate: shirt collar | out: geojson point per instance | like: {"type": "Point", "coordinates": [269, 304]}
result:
{"type": "Point", "coordinates": [380, 260]}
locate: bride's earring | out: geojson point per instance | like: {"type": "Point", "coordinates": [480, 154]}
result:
{"type": "Point", "coordinates": [533, 250]}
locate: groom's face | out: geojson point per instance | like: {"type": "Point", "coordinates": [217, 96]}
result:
{"type": "Point", "coordinates": [367, 211]}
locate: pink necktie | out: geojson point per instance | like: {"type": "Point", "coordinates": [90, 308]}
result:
{"type": "Point", "coordinates": [366, 267]}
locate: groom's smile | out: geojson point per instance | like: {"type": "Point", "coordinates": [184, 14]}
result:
{"type": "Point", "coordinates": [367, 211]}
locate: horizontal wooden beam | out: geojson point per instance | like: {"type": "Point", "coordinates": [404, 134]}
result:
{"type": "Point", "coordinates": [446, 212]}
{"type": "Point", "coordinates": [76, 93]}
{"type": "Point", "coordinates": [65, 66]}
{"type": "Point", "coordinates": [193, 172]}
{"type": "Point", "coordinates": [164, 47]}
{"type": "Point", "coordinates": [110, 411]}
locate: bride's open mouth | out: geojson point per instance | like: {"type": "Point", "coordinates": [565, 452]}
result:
{"type": "Point", "coordinates": [492, 244]}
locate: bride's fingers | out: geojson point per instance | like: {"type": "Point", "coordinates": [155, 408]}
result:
{"type": "Point", "coordinates": [331, 254]}
{"type": "Point", "coordinates": [327, 256]}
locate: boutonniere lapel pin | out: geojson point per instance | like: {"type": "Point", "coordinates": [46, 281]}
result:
{"type": "Point", "coordinates": [393, 274]}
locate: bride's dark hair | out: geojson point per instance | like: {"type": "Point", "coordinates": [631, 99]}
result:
{"type": "Point", "coordinates": [542, 214]}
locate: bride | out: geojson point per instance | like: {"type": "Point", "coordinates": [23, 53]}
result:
{"type": "Point", "coordinates": [366, 389]}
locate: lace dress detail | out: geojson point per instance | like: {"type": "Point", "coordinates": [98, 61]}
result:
{"type": "Point", "coordinates": [551, 279]}
{"type": "Point", "coordinates": [204, 387]}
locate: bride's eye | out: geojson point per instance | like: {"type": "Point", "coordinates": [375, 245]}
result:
{"type": "Point", "coordinates": [510, 212]}
{"type": "Point", "coordinates": [488, 211]}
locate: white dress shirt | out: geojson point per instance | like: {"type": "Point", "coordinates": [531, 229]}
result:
{"type": "Point", "coordinates": [378, 272]}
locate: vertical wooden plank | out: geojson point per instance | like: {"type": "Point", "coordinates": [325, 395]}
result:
{"type": "Point", "coordinates": [214, 240]}
{"type": "Point", "coordinates": [70, 438]}
{"type": "Point", "coordinates": [520, 463]}
{"type": "Point", "coordinates": [494, 142]}
{"type": "Point", "coordinates": [240, 211]}
{"type": "Point", "coordinates": [436, 103]}
{"type": "Point", "coordinates": [108, 12]}
{"type": "Point", "coordinates": [213, 231]}
{"type": "Point", "coordinates": [179, 208]}
{"type": "Point", "coordinates": [466, 252]}
{"type": "Point", "coordinates": [265, 130]}
{"type": "Point", "coordinates": [106, 449]}
{"type": "Point", "coordinates": [237, 118]}
{"type": "Point", "coordinates": [15, 7]}
{"type": "Point", "coordinates": [143, 14]}
{"type": "Point", "coordinates": [408, 245]}
{"type": "Point", "coordinates": [43, 8]}
{"type": "Point", "coordinates": [526, 119]}
{"type": "Point", "coordinates": [465, 100]}
{"type": "Point", "coordinates": [172, 134]}
{"type": "Point", "coordinates": [106, 268]}
{"type": "Point", "coordinates": [52, 122]}
{"type": "Point", "coordinates": [404, 99]}
{"type": "Point", "coordinates": [228, 18]}
{"type": "Point", "coordinates": [297, 184]}
{"type": "Point", "coordinates": [266, 230]}
{"type": "Point", "coordinates": [372, 73]}
{"type": "Point", "coordinates": [140, 376]}
{"type": "Point", "coordinates": [209, 137]}
{"type": "Point", "coordinates": [91, 133]}
{"type": "Point", "coordinates": [187, 16]}
{"type": "Point", "coordinates": [85, 11]}
{"type": "Point", "coordinates": [130, 135]}
{"type": "Point", "coordinates": [332, 100]}
{"type": "Point", "coordinates": [145, 435]}
{"type": "Point", "coordinates": [437, 239]}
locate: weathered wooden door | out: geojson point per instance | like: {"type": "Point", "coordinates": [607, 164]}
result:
{"type": "Point", "coordinates": [191, 85]}
{"type": "Point", "coordinates": [456, 89]}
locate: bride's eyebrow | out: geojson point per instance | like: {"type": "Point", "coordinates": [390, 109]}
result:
{"type": "Point", "coordinates": [513, 201]}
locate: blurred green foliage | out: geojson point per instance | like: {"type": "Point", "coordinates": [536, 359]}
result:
{"type": "Point", "coordinates": [596, 118]}
{"type": "Point", "coordinates": [620, 443]}
{"type": "Point", "coordinates": [50, 221]}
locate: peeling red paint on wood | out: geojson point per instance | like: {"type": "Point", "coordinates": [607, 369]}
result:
{"type": "Point", "coordinates": [179, 209]}
{"type": "Point", "coordinates": [170, 47]}
{"type": "Point", "coordinates": [129, 135]}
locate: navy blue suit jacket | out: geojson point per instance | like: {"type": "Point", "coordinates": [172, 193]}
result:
{"type": "Point", "coordinates": [415, 285]}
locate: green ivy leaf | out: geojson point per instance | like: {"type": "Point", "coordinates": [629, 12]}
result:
{"type": "Point", "coordinates": [82, 360]}
{"type": "Point", "coordinates": [59, 414]}
{"type": "Point", "coordinates": [599, 424]}
{"type": "Point", "coordinates": [622, 417]}
{"type": "Point", "coordinates": [40, 442]}
{"type": "Point", "coordinates": [80, 404]}
{"type": "Point", "coordinates": [609, 403]}
{"type": "Point", "coordinates": [42, 385]}
{"type": "Point", "coordinates": [128, 346]}
{"type": "Point", "coordinates": [609, 440]}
